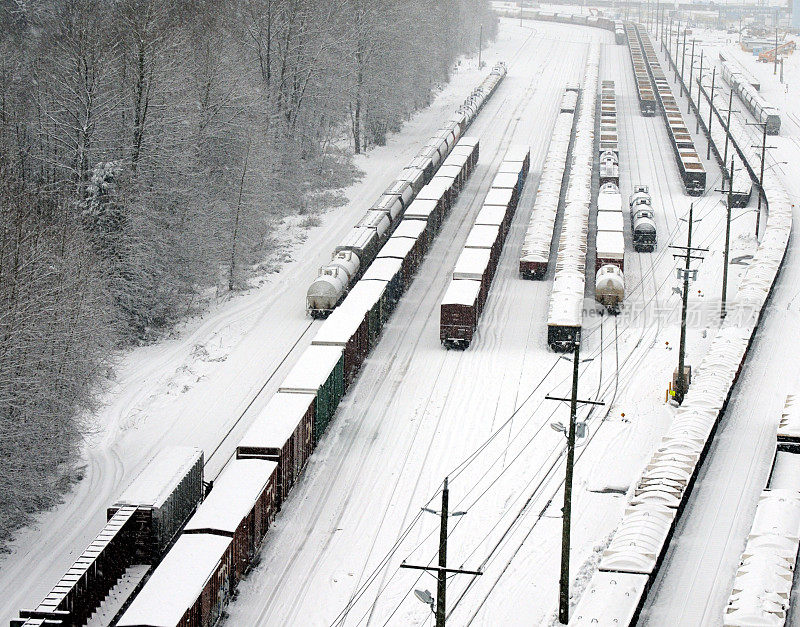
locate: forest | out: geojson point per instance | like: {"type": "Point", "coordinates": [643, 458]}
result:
{"type": "Point", "coordinates": [148, 148]}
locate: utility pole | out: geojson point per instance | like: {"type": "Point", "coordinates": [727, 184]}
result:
{"type": "Point", "coordinates": [681, 386]}
{"type": "Point", "coordinates": [563, 595]}
{"type": "Point", "coordinates": [764, 148]}
{"type": "Point", "coordinates": [723, 311]}
{"type": "Point", "coordinates": [691, 74]}
{"type": "Point", "coordinates": [775, 69]}
{"type": "Point", "coordinates": [480, 47]}
{"type": "Point", "coordinates": [728, 129]}
{"type": "Point", "coordinates": [711, 111]}
{"type": "Point", "coordinates": [699, 83]}
{"type": "Point", "coordinates": [683, 59]}
{"type": "Point", "coordinates": [442, 570]}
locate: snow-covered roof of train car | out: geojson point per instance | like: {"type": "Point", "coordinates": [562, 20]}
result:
{"type": "Point", "coordinates": [397, 247]}
{"type": "Point", "coordinates": [505, 180]}
{"type": "Point", "coordinates": [785, 471]}
{"type": "Point", "coordinates": [364, 294]}
{"type": "Point", "coordinates": [610, 243]}
{"type": "Point", "coordinates": [410, 228]}
{"type": "Point", "coordinates": [457, 159]}
{"type": "Point", "coordinates": [469, 140]}
{"type": "Point", "coordinates": [276, 423]}
{"type": "Point", "coordinates": [340, 326]}
{"type": "Point", "coordinates": [159, 478]}
{"type": "Point", "coordinates": [177, 581]}
{"type": "Point", "coordinates": [789, 424]}
{"type": "Point", "coordinates": [312, 369]}
{"type": "Point", "coordinates": [609, 599]}
{"type": "Point", "coordinates": [482, 236]}
{"type": "Point", "coordinates": [491, 214]}
{"type": "Point", "coordinates": [498, 197]}
{"type": "Point", "coordinates": [357, 238]}
{"type": "Point", "coordinates": [420, 209]}
{"type": "Point", "coordinates": [435, 189]}
{"type": "Point", "coordinates": [235, 493]}
{"type": "Point", "coordinates": [610, 221]}
{"type": "Point", "coordinates": [639, 539]}
{"type": "Point", "coordinates": [778, 514]}
{"type": "Point", "coordinates": [472, 263]}
{"type": "Point", "coordinates": [517, 152]}
{"type": "Point", "coordinates": [462, 292]}
{"type": "Point", "coordinates": [383, 269]}
{"type": "Point", "coordinates": [449, 171]}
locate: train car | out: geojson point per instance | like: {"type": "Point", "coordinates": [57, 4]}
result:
{"type": "Point", "coordinates": [755, 103]}
{"type": "Point", "coordinates": [319, 371]}
{"type": "Point", "coordinates": [565, 315]}
{"type": "Point", "coordinates": [283, 432]}
{"type": "Point", "coordinates": [189, 588]}
{"type": "Point", "coordinates": [82, 589]}
{"type": "Point", "coordinates": [609, 168]}
{"type": "Point", "coordinates": [459, 313]}
{"type": "Point", "coordinates": [241, 506]}
{"type": "Point", "coordinates": [165, 494]}
{"type": "Point", "coordinates": [619, 33]}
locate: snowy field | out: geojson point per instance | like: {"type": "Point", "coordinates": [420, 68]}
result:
{"type": "Point", "coordinates": [418, 412]}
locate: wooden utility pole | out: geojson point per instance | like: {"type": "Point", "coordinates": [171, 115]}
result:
{"type": "Point", "coordinates": [711, 111]}
{"type": "Point", "coordinates": [775, 69]}
{"type": "Point", "coordinates": [699, 83]}
{"type": "Point", "coordinates": [480, 47]}
{"type": "Point", "coordinates": [691, 74]}
{"type": "Point", "coordinates": [563, 594]}
{"type": "Point", "coordinates": [681, 386]}
{"type": "Point", "coordinates": [723, 312]}
{"type": "Point", "coordinates": [728, 127]}
{"type": "Point", "coordinates": [764, 149]}
{"type": "Point", "coordinates": [683, 59]}
{"type": "Point", "coordinates": [441, 569]}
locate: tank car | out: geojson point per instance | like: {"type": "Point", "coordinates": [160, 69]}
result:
{"type": "Point", "coordinates": [644, 229]}
{"type": "Point", "coordinates": [609, 168]}
{"type": "Point", "coordinates": [609, 287]}
{"type": "Point", "coordinates": [326, 291]}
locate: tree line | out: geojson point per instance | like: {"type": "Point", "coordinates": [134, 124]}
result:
{"type": "Point", "coordinates": [147, 150]}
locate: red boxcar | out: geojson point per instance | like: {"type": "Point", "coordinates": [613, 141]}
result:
{"type": "Point", "coordinates": [282, 433]}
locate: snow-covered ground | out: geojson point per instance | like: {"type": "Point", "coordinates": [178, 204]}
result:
{"type": "Point", "coordinates": [698, 571]}
{"type": "Point", "coordinates": [418, 412]}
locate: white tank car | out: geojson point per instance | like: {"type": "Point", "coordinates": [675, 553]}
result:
{"type": "Point", "coordinates": [326, 290]}
{"type": "Point", "coordinates": [609, 286]}
{"type": "Point", "coordinates": [348, 261]}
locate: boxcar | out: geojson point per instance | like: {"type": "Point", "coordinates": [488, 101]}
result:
{"type": "Point", "coordinates": [189, 588]}
{"type": "Point", "coordinates": [165, 493]}
{"type": "Point", "coordinates": [241, 506]}
{"type": "Point", "coordinates": [283, 432]}
{"type": "Point", "coordinates": [319, 371]}
{"type": "Point", "coordinates": [460, 311]}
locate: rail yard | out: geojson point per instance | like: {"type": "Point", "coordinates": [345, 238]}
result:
{"type": "Point", "coordinates": [538, 210]}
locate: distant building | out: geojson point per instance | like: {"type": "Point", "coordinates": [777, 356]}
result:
{"type": "Point", "coordinates": [796, 14]}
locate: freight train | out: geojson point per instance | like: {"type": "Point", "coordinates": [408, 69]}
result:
{"type": "Point", "coordinates": [689, 164]}
{"type": "Point", "coordinates": [761, 110]}
{"type": "Point", "coordinates": [535, 253]}
{"type": "Point", "coordinates": [645, 91]}
{"type": "Point", "coordinates": [356, 252]}
{"type": "Point", "coordinates": [610, 242]}
{"type": "Point", "coordinates": [474, 271]}
{"type": "Point", "coordinates": [565, 312]}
